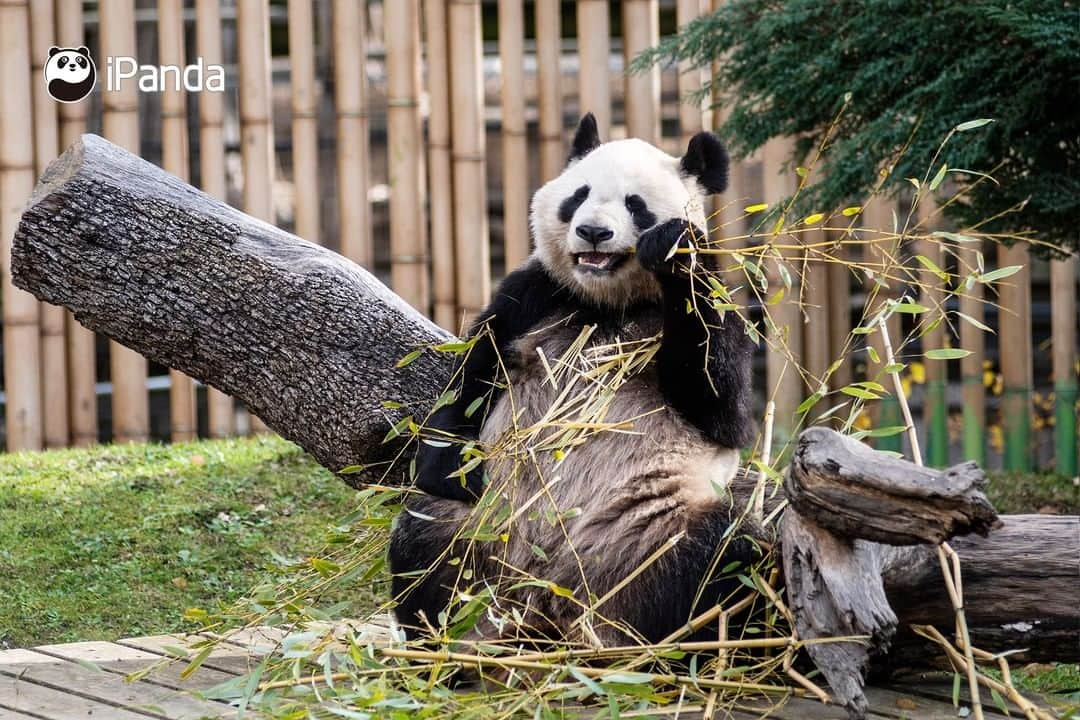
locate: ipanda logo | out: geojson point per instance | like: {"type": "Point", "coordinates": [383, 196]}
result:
{"type": "Point", "coordinates": [70, 73]}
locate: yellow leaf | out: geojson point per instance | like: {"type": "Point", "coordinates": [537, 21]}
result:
{"type": "Point", "coordinates": [813, 219]}
{"type": "Point", "coordinates": [918, 373]}
{"type": "Point", "coordinates": [751, 209]}
{"type": "Point", "coordinates": [853, 210]}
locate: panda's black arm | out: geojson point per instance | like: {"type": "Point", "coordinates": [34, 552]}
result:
{"type": "Point", "coordinates": [704, 361]}
{"type": "Point", "coordinates": [524, 297]}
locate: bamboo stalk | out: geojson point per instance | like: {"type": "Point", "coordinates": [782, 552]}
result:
{"type": "Point", "coordinates": [549, 83]}
{"type": "Point", "coordinates": [220, 414]}
{"type": "Point", "coordinates": [81, 343]}
{"type": "Point", "coordinates": [470, 196]}
{"type": "Point", "coordinates": [838, 281]}
{"type": "Point", "coordinates": [256, 121]}
{"type": "Point", "coordinates": [817, 342]}
{"type": "Point", "coordinates": [305, 118]}
{"type": "Point", "coordinates": [935, 407]}
{"type": "Point", "coordinates": [22, 344]}
{"type": "Point", "coordinates": [878, 215]}
{"type": "Point", "coordinates": [594, 50]}
{"type": "Point", "coordinates": [350, 101]}
{"type": "Point", "coordinates": [120, 124]}
{"type": "Point", "coordinates": [641, 30]}
{"type": "Point", "coordinates": [183, 418]}
{"type": "Point", "coordinates": [441, 182]}
{"type": "Point", "coordinates": [515, 149]}
{"type": "Point", "coordinates": [973, 390]}
{"type": "Point", "coordinates": [693, 116]}
{"type": "Point", "coordinates": [1063, 332]}
{"type": "Point", "coordinates": [405, 142]}
{"type": "Point", "coordinates": [54, 401]}
{"type": "Point", "coordinates": [783, 382]}
{"type": "Point", "coordinates": [1014, 332]}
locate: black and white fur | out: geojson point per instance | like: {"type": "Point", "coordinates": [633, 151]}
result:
{"type": "Point", "coordinates": [690, 412]}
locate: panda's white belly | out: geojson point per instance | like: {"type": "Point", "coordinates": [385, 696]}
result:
{"type": "Point", "coordinates": [584, 423]}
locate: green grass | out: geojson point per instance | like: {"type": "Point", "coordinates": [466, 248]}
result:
{"type": "Point", "coordinates": [1013, 493]}
{"type": "Point", "coordinates": [116, 541]}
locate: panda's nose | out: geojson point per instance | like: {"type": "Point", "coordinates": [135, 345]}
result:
{"type": "Point", "coordinates": [71, 66]}
{"type": "Point", "coordinates": [594, 234]}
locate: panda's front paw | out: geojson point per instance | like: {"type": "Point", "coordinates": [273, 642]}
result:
{"type": "Point", "coordinates": [656, 246]}
{"type": "Point", "coordinates": [438, 472]}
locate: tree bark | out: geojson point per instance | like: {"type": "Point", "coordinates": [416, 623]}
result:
{"type": "Point", "coordinates": [310, 342]}
{"type": "Point", "coordinates": [305, 338]}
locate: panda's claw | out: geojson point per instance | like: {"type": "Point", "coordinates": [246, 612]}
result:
{"type": "Point", "coordinates": [657, 247]}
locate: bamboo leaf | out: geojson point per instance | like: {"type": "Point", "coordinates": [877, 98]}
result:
{"type": "Point", "coordinates": [939, 177]}
{"type": "Point", "coordinates": [972, 124]}
{"type": "Point", "coordinates": [1000, 274]}
{"type": "Point", "coordinates": [910, 308]}
{"type": "Point", "coordinates": [409, 358]}
{"type": "Point", "coordinates": [932, 266]}
{"type": "Point", "coordinates": [946, 354]}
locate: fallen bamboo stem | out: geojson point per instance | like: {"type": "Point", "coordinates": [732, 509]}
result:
{"type": "Point", "coordinates": [952, 579]}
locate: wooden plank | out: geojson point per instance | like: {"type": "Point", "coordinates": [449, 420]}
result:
{"type": "Point", "coordinates": [226, 658]}
{"type": "Point", "coordinates": [904, 704]}
{"type": "Point", "coordinates": [50, 704]}
{"type": "Point", "coordinates": [31, 667]}
{"type": "Point", "coordinates": [124, 660]}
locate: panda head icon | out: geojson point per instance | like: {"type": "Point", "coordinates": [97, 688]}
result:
{"type": "Point", "coordinates": [70, 73]}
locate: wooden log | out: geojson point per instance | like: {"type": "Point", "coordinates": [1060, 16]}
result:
{"type": "Point", "coordinates": [441, 188]}
{"type": "Point", "coordinates": [350, 103]}
{"type": "Point", "coordinates": [472, 250]}
{"type": "Point", "coordinates": [641, 30]}
{"type": "Point", "coordinates": [549, 83]}
{"type": "Point", "coordinates": [120, 123]}
{"type": "Point", "coordinates": [183, 418]}
{"type": "Point", "coordinates": [304, 337]}
{"type": "Point", "coordinates": [515, 143]}
{"type": "Point", "coordinates": [81, 343]}
{"type": "Point", "coordinates": [56, 425]}
{"type": "Point", "coordinates": [594, 50]}
{"type": "Point", "coordinates": [305, 118]}
{"type": "Point", "coordinates": [409, 257]}
{"type": "Point", "coordinates": [219, 406]}
{"type": "Point", "coordinates": [854, 492]}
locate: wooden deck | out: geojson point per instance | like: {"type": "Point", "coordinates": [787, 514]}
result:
{"type": "Point", "coordinates": [87, 681]}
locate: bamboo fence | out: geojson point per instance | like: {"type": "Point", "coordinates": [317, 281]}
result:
{"type": "Point", "coordinates": [120, 124]}
{"type": "Point", "coordinates": [441, 208]}
{"type": "Point", "coordinates": [409, 258]}
{"type": "Point", "coordinates": [219, 406]}
{"type": "Point", "coordinates": [305, 118]}
{"type": "Point", "coordinates": [439, 117]}
{"type": "Point", "coordinates": [56, 426]}
{"type": "Point", "coordinates": [515, 146]}
{"type": "Point", "coordinates": [183, 419]}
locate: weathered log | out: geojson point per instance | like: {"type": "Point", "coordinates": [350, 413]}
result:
{"type": "Point", "coordinates": [307, 339]}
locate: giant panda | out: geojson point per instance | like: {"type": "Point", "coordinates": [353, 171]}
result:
{"type": "Point", "coordinates": [547, 533]}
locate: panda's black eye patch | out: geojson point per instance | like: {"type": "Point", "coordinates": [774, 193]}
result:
{"type": "Point", "coordinates": [63, 60]}
{"type": "Point", "coordinates": [570, 205]}
{"type": "Point", "coordinates": [639, 211]}
{"type": "Point", "coordinates": [81, 61]}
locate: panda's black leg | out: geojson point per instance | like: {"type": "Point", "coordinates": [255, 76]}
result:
{"type": "Point", "coordinates": [704, 359]}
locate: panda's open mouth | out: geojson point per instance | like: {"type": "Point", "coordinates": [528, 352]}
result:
{"type": "Point", "coordinates": [597, 262]}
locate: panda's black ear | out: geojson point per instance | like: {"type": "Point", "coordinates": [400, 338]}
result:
{"type": "Point", "coordinates": [53, 50]}
{"type": "Point", "coordinates": [83, 50]}
{"type": "Point", "coordinates": [586, 139]}
{"type": "Point", "coordinates": [707, 160]}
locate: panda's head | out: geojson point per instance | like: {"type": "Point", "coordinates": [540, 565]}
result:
{"type": "Point", "coordinates": [70, 73]}
{"type": "Point", "coordinates": [586, 222]}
